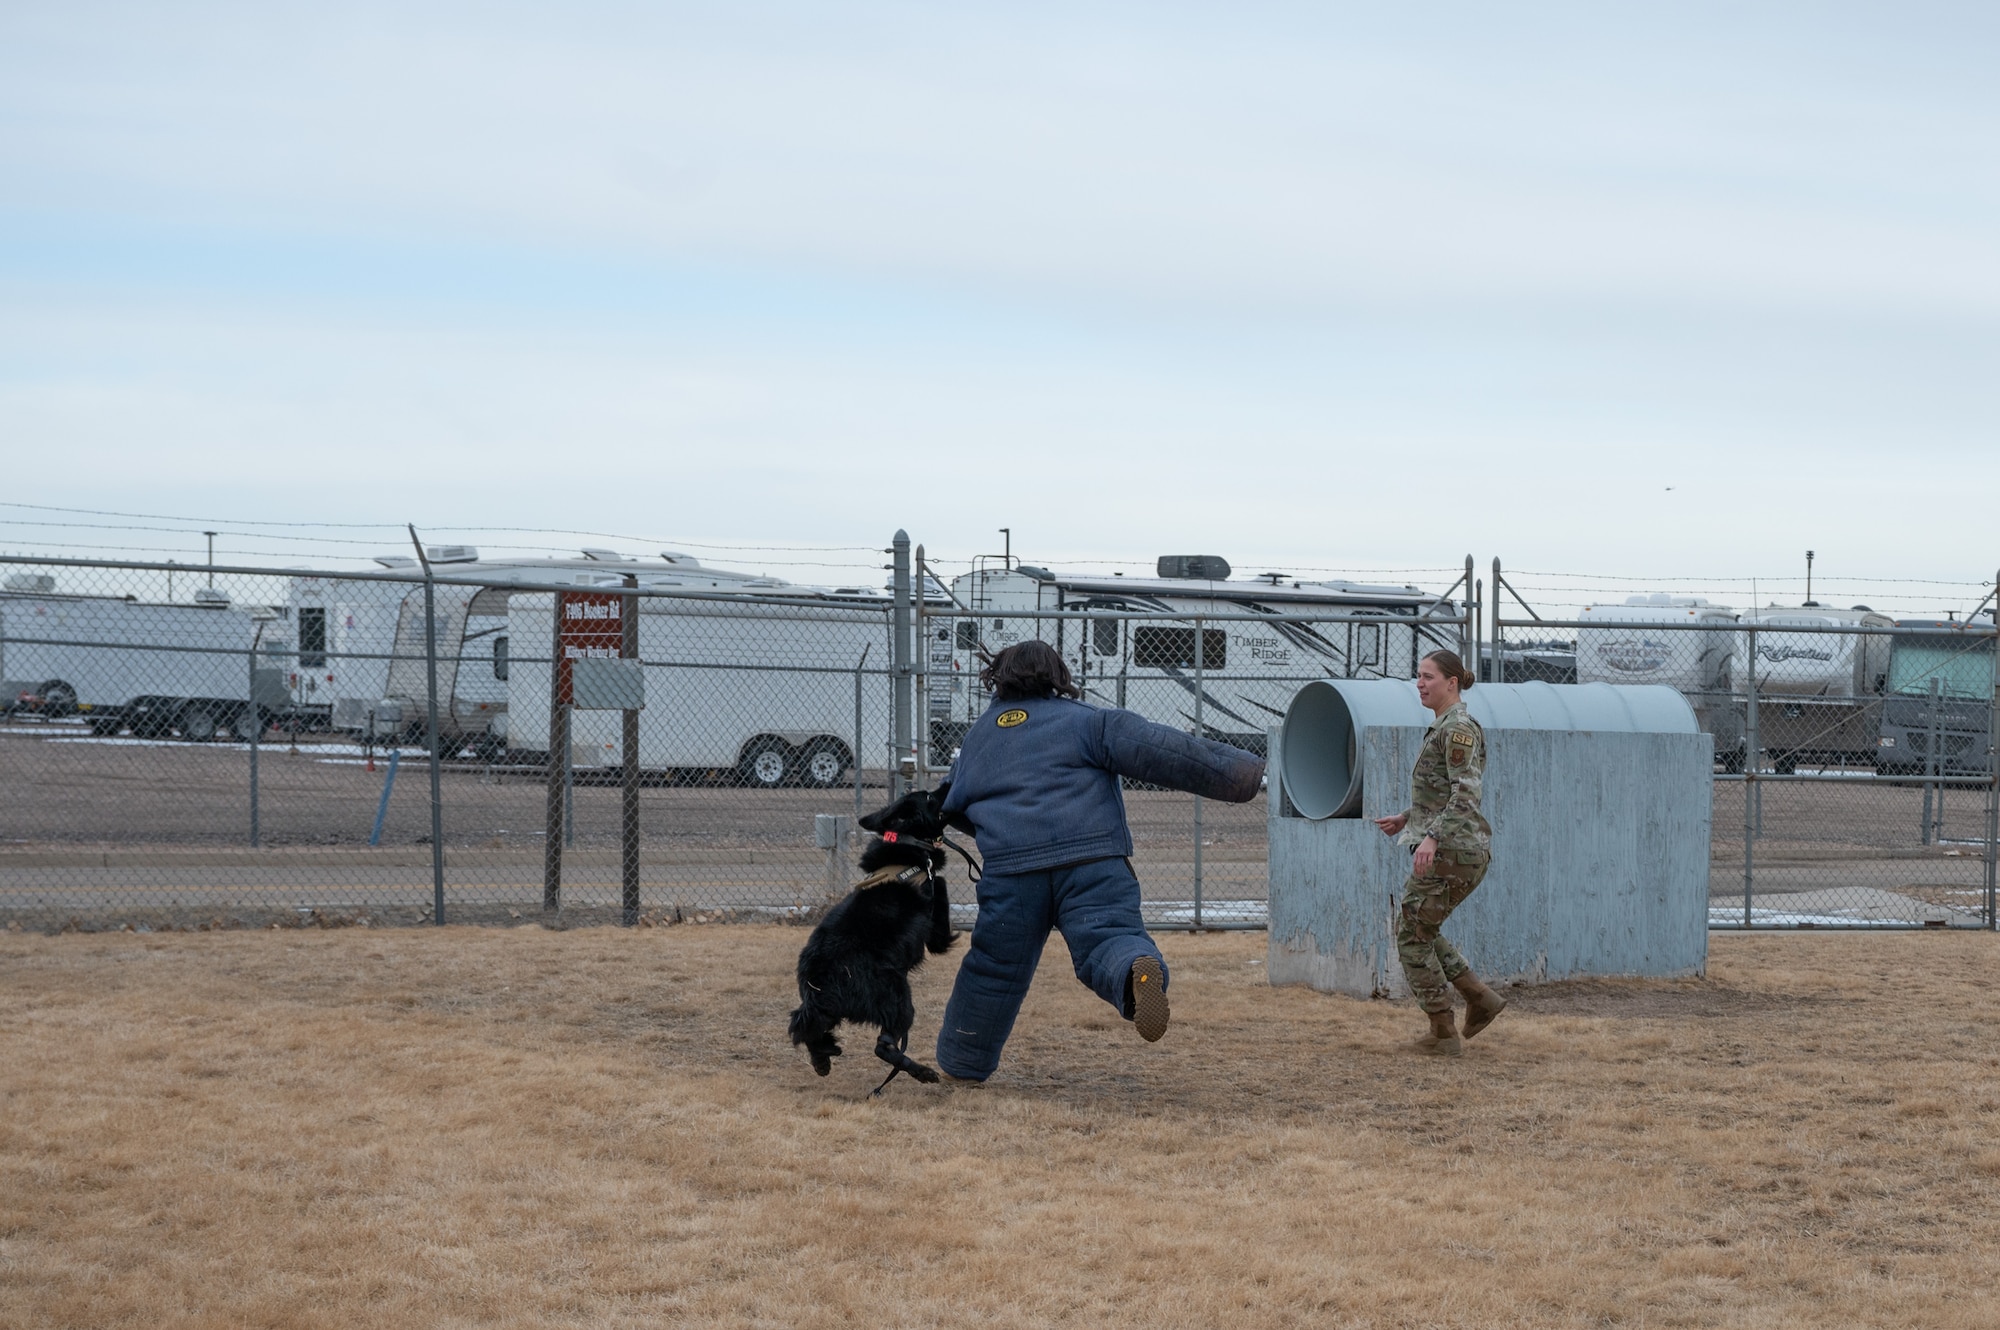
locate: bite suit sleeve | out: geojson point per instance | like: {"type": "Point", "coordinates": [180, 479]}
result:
{"type": "Point", "coordinates": [1138, 749]}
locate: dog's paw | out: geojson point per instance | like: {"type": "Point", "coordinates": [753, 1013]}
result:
{"type": "Point", "coordinates": [822, 1064]}
{"type": "Point", "coordinates": [924, 1074]}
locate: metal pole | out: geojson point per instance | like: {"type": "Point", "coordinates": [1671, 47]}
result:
{"type": "Point", "coordinates": [255, 722]}
{"type": "Point", "coordinates": [388, 788]}
{"type": "Point", "coordinates": [1993, 769]}
{"type": "Point", "coordinates": [436, 744]}
{"type": "Point", "coordinates": [1471, 604]}
{"type": "Point", "coordinates": [1751, 761]}
{"type": "Point", "coordinates": [1498, 672]}
{"type": "Point", "coordinates": [629, 649]}
{"type": "Point", "coordinates": [899, 645]}
{"type": "Point", "coordinates": [552, 838]}
{"type": "Point", "coordinates": [1478, 634]}
{"type": "Point", "coordinates": [1933, 811]}
{"type": "Point", "coordinates": [569, 776]}
{"type": "Point", "coordinates": [1200, 655]}
{"type": "Point", "coordinates": [921, 724]}
{"type": "Point", "coordinates": [857, 727]}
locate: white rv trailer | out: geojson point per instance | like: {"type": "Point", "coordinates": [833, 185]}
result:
{"type": "Point", "coordinates": [1819, 690]}
{"type": "Point", "coordinates": [1680, 641]}
{"type": "Point", "coordinates": [154, 668]}
{"type": "Point", "coordinates": [361, 644]}
{"type": "Point", "coordinates": [1249, 671]}
{"type": "Point", "coordinates": [762, 691]}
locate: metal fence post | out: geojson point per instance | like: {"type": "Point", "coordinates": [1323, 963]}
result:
{"type": "Point", "coordinates": [1751, 762]}
{"type": "Point", "coordinates": [1200, 656]}
{"type": "Point", "coordinates": [436, 743]}
{"type": "Point", "coordinates": [1471, 659]}
{"type": "Point", "coordinates": [920, 671]}
{"type": "Point", "coordinates": [255, 722]}
{"type": "Point", "coordinates": [629, 649]}
{"type": "Point", "coordinates": [553, 826]}
{"type": "Point", "coordinates": [1497, 672]}
{"type": "Point", "coordinates": [899, 646]}
{"type": "Point", "coordinates": [1468, 620]}
{"type": "Point", "coordinates": [1993, 770]}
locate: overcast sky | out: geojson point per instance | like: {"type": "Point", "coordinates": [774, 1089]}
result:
{"type": "Point", "coordinates": [1655, 291]}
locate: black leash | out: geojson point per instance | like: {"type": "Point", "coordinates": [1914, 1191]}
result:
{"type": "Point", "coordinates": [971, 864]}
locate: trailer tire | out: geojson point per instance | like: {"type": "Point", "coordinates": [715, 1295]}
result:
{"type": "Point", "coordinates": [766, 763]}
{"type": "Point", "coordinates": [198, 725]}
{"type": "Point", "coordinates": [58, 699]}
{"type": "Point", "coordinates": [822, 763]}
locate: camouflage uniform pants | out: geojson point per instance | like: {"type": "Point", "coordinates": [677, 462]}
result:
{"type": "Point", "coordinates": [1429, 962]}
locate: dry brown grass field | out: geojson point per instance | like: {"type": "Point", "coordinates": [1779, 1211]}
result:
{"type": "Point", "coordinates": [520, 1127]}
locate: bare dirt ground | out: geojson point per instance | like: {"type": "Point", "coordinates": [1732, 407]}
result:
{"type": "Point", "coordinates": [514, 1127]}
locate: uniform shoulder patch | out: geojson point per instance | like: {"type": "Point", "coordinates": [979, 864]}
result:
{"type": "Point", "coordinates": [1464, 738]}
{"type": "Point", "coordinates": [1007, 720]}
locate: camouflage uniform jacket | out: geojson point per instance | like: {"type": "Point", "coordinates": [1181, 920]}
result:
{"type": "Point", "coordinates": [1444, 788]}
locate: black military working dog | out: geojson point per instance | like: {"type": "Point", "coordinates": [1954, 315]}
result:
{"type": "Point", "coordinates": [856, 965]}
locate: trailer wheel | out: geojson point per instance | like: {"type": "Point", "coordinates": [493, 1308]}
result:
{"type": "Point", "coordinates": [822, 763]}
{"type": "Point", "coordinates": [58, 699]}
{"type": "Point", "coordinates": [198, 725]}
{"type": "Point", "coordinates": [765, 762]}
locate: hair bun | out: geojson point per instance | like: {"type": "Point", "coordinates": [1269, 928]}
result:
{"type": "Point", "coordinates": [1451, 667]}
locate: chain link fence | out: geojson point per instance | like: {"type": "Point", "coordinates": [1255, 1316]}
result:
{"type": "Point", "coordinates": [634, 743]}
{"type": "Point", "coordinates": [1854, 779]}
{"type": "Point", "coordinates": [613, 742]}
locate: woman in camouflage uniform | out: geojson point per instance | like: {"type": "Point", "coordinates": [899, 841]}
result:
{"type": "Point", "coordinates": [1450, 840]}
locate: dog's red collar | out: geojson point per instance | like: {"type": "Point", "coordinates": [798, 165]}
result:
{"type": "Point", "coordinates": [892, 837]}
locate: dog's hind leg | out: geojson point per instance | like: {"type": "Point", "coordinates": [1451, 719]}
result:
{"type": "Point", "coordinates": [813, 1030]}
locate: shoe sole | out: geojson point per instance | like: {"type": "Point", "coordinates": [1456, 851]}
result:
{"type": "Point", "coordinates": [1472, 1029]}
{"type": "Point", "coordinates": [1149, 999]}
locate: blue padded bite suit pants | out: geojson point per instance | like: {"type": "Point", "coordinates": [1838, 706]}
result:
{"type": "Point", "coordinates": [1095, 905]}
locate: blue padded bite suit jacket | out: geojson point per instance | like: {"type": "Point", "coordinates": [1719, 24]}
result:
{"type": "Point", "coordinates": [1037, 779]}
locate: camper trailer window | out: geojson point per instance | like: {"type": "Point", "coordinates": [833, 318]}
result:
{"type": "Point", "coordinates": [1104, 636]}
{"type": "Point", "coordinates": [312, 638]}
{"type": "Point", "coordinates": [500, 657]}
{"type": "Point", "coordinates": [1173, 648]}
{"type": "Point", "coordinates": [968, 635]}
{"type": "Point", "coordinates": [1367, 644]}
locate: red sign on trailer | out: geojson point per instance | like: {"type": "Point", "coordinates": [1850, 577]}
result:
{"type": "Point", "coordinates": [590, 625]}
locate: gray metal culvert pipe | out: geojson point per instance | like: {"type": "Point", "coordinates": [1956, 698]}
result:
{"type": "Point", "coordinates": [1320, 743]}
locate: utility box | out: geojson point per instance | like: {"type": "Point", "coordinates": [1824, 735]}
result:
{"type": "Point", "coordinates": [1599, 797]}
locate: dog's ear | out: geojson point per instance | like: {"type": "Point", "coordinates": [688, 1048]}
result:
{"type": "Point", "coordinates": [891, 814]}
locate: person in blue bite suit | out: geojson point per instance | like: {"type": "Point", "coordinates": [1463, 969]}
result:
{"type": "Point", "coordinates": [1036, 782]}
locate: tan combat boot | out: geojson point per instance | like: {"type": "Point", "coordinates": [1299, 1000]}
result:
{"type": "Point", "coordinates": [1442, 1041]}
{"type": "Point", "coordinates": [1482, 1004]}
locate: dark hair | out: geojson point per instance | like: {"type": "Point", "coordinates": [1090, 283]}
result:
{"type": "Point", "coordinates": [1027, 670]}
{"type": "Point", "coordinates": [1451, 667]}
